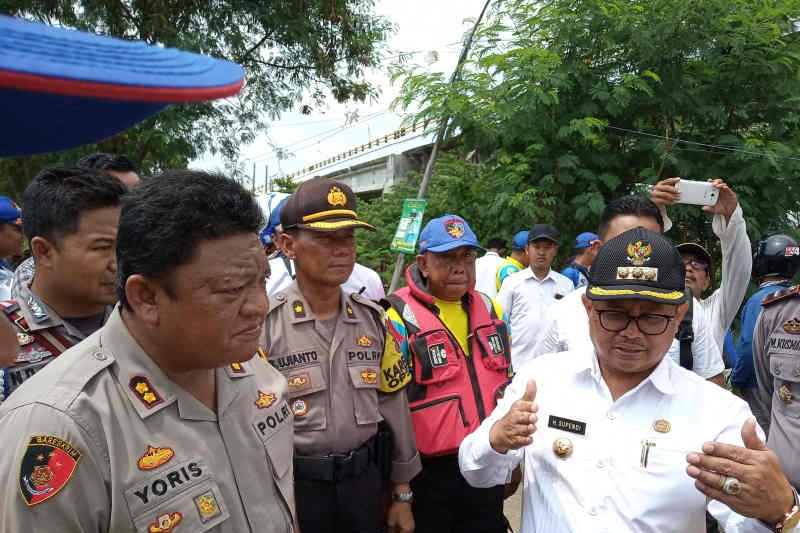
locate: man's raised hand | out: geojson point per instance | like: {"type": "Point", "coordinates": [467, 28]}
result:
{"type": "Point", "coordinates": [516, 428]}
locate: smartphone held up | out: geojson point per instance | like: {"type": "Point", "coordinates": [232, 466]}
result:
{"type": "Point", "coordinates": [697, 192]}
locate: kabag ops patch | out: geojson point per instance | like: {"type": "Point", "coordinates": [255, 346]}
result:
{"type": "Point", "coordinates": [46, 467]}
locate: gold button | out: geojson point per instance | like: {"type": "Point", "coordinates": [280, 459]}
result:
{"type": "Point", "coordinates": [662, 426]}
{"type": "Point", "coordinates": [562, 447]}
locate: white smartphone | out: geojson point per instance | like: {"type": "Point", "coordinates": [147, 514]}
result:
{"type": "Point", "coordinates": [697, 192]}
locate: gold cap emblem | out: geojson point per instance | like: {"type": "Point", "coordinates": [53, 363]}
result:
{"type": "Point", "coordinates": [336, 196]}
{"type": "Point", "coordinates": [639, 253]}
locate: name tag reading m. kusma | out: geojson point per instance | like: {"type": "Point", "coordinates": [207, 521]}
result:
{"type": "Point", "coordinates": [565, 424]}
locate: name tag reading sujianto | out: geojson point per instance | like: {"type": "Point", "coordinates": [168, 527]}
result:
{"type": "Point", "coordinates": [565, 424]}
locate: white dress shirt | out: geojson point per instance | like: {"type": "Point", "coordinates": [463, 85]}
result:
{"type": "Point", "coordinates": [602, 486]}
{"type": "Point", "coordinates": [486, 273]}
{"type": "Point", "coordinates": [361, 278]}
{"type": "Point", "coordinates": [721, 307]}
{"type": "Point", "coordinates": [527, 301]}
{"type": "Point", "coordinates": [569, 330]}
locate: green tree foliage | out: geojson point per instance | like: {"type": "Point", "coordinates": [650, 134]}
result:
{"type": "Point", "coordinates": [570, 103]}
{"type": "Point", "coordinates": [294, 52]}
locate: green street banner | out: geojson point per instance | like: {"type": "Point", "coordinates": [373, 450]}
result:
{"type": "Point", "coordinates": [405, 238]}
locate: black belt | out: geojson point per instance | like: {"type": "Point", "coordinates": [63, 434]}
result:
{"type": "Point", "coordinates": [335, 467]}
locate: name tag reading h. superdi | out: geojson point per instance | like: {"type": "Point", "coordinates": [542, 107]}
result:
{"type": "Point", "coordinates": [565, 424]}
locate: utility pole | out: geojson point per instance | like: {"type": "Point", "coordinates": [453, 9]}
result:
{"type": "Point", "coordinates": [426, 178]}
{"type": "Point", "coordinates": [253, 181]}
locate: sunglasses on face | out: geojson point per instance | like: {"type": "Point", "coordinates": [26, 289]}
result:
{"type": "Point", "coordinates": [697, 265]}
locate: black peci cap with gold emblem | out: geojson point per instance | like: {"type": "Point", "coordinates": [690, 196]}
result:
{"type": "Point", "coordinates": [322, 205]}
{"type": "Point", "coordinates": [638, 265]}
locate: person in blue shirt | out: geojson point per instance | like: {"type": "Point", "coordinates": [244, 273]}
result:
{"type": "Point", "coordinates": [774, 265]}
{"type": "Point", "coordinates": [587, 245]}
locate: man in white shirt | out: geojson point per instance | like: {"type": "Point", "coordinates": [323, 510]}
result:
{"type": "Point", "coordinates": [569, 327]}
{"type": "Point", "coordinates": [486, 267]}
{"type": "Point", "coordinates": [606, 433]}
{"type": "Point", "coordinates": [526, 296]}
{"type": "Point", "coordinates": [720, 308]}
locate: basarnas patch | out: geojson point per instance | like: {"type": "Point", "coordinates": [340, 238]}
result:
{"type": "Point", "coordinates": [47, 465]}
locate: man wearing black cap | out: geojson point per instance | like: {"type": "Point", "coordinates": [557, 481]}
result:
{"type": "Point", "coordinates": [527, 295]}
{"type": "Point", "coordinates": [342, 369]}
{"type": "Point", "coordinates": [607, 432]}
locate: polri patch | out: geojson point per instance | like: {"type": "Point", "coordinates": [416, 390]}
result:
{"type": "Point", "coordinates": [437, 355]}
{"type": "Point", "coordinates": [565, 424]}
{"type": "Point", "coordinates": [145, 391]}
{"type": "Point", "coordinates": [47, 465]}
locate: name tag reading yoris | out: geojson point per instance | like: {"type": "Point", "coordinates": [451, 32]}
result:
{"type": "Point", "coordinates": [565, 424]}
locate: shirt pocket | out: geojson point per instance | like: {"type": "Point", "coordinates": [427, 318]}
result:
{"type": "Point", "coordinates": [276, 431]}
{"type": "Point", "coordinates": [186, 495]}
{"type": "Point", "coordinates": [786, 373]}
{"type": "Point", "coordinates": [365, 380]}
{"type": "Point", "coordinates": [308, 398]}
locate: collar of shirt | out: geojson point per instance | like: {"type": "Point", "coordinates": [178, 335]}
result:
{"type": "Point", "coordinates": [48, 318]}
{"type": "Point", "coordinates": [661, 377]}
{"type": "Point", "coordinates": [148, 388]}
{"type": "Point", "coordinates": [530, 275]}
{"type": "Point", "coordinates": [292, 294]}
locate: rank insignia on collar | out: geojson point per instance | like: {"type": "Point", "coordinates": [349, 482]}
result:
{"type": "Point", "coordinates": [349, 311]}
{"type": "Point", "coordinates": [265, 400]}
{"type": "Point", "coordinates": [369, 377]}
{"type": "Point", "coordinates": [639, 253]}
{"type": "Point", "coordinates": [207, 506]}
{"type": "Point", "coordinates": [238, 368]}
{"type": "Point", "coordinates": [155, 457]}
{"type": "Point", "coordinates": [164, 523]}
{"type": "Point", "coordinates": [46, 467]}
{"type": "Point", "coordinates": [364, 340]}
{"type": "Point", "coordinates": [299, 407]}
{"type": "Point", "coordinates": [792, 327]}
{"type": "Point", "coordinates": [299, 309]}
{"type": "Point", "coordinates": [37, 309]}
{"type": "Point", "coordinates": [145, 391]}
{"type": "Point", "coordinates": [24, 339]}
{"type": "Point", "coordinates": [262, 354]}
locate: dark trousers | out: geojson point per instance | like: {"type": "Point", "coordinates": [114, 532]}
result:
{"type": "Point", "coordinates": [347, 506]}
{"type": "Point", "coordinates": [445, 503]}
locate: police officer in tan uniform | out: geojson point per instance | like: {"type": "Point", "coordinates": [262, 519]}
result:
{"type": "Point", "coordinates": [164, 419]}
{"type": "Point", "coordinates": [776, 358]}
{"type": "Point", "coordinates": [71, 223]}
{"type": "Point", "coordinates": [342, 372]}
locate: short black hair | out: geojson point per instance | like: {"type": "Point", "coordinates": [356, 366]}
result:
{"type": "Point", "coordinates": [101, 161]}
{"type": "Point", "coordinates": [55, 199]}
{"type": "Point", "coordinates": [632, 204]}
{"type": "Point", "coordinates": [496, 242]}
{"type": "Point", "coordinates": [165, 218]}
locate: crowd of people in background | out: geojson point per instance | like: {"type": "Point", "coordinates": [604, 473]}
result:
{"type": "Point", "coordinates": [167, 316]}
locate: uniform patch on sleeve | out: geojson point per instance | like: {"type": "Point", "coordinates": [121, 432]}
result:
{"type": "Point", "coordinates": [394, 370]}
{"type": "Point", "coordinates": [46, 467]}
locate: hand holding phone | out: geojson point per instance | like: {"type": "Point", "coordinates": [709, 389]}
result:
{"type": "Point", "coordinates": [697, 192]}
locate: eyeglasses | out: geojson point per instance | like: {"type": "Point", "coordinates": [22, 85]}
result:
{"type": "Point", "coordinates": [649, 324]}
{"type": "Point", "coordinates": [697, 265]}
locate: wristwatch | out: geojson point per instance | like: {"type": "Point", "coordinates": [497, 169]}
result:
{"type": "Point", "coordinates": [789, 521]}
{"type": "Point", "coordinates": [405, 497]}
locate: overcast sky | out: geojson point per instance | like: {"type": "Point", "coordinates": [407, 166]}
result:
{"type": "Point", "coordinates": [423, 27]}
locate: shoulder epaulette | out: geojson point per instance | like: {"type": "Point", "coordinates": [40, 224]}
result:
{"type": "Point", "coordinates": [363, 300]}
{"type": "Point", "coordinates": [276, 300]}
{"type": "Point", "coordinates": [780, 295]}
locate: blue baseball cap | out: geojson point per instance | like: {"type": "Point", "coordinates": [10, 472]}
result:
{"type": "Point", "coordinates": [447, 233]}
{"type": "Point", "coordinates": [10, 213]}
{"type": "Point", "coordinates": [584, 240]}
{"type": "Point", "coordinates": [520, 240]}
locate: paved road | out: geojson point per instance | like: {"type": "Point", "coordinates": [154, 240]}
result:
{"type": "Point", "coordinates": [512, 508]}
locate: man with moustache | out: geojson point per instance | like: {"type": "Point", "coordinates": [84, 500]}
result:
{"type": "Point", "coordinates": [71, 219]}
{"type": "Point", "coordinates": [606, 432]}
{"type": "Point", "coordinates": [569, 324]}
{"type": "Point", "coordinates": [165, 419]}
{"type": "Point", "coordinates": [344, 372]}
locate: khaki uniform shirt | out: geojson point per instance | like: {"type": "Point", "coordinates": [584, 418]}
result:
{"type": "Point", "coordinates": [40, 322]}
{"type": "Point", "coordinates": [101, 440]}
{"type": "Point", "coordinates": [335, 385]}
{"type": "Point", "coordinates": [776, 358]}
